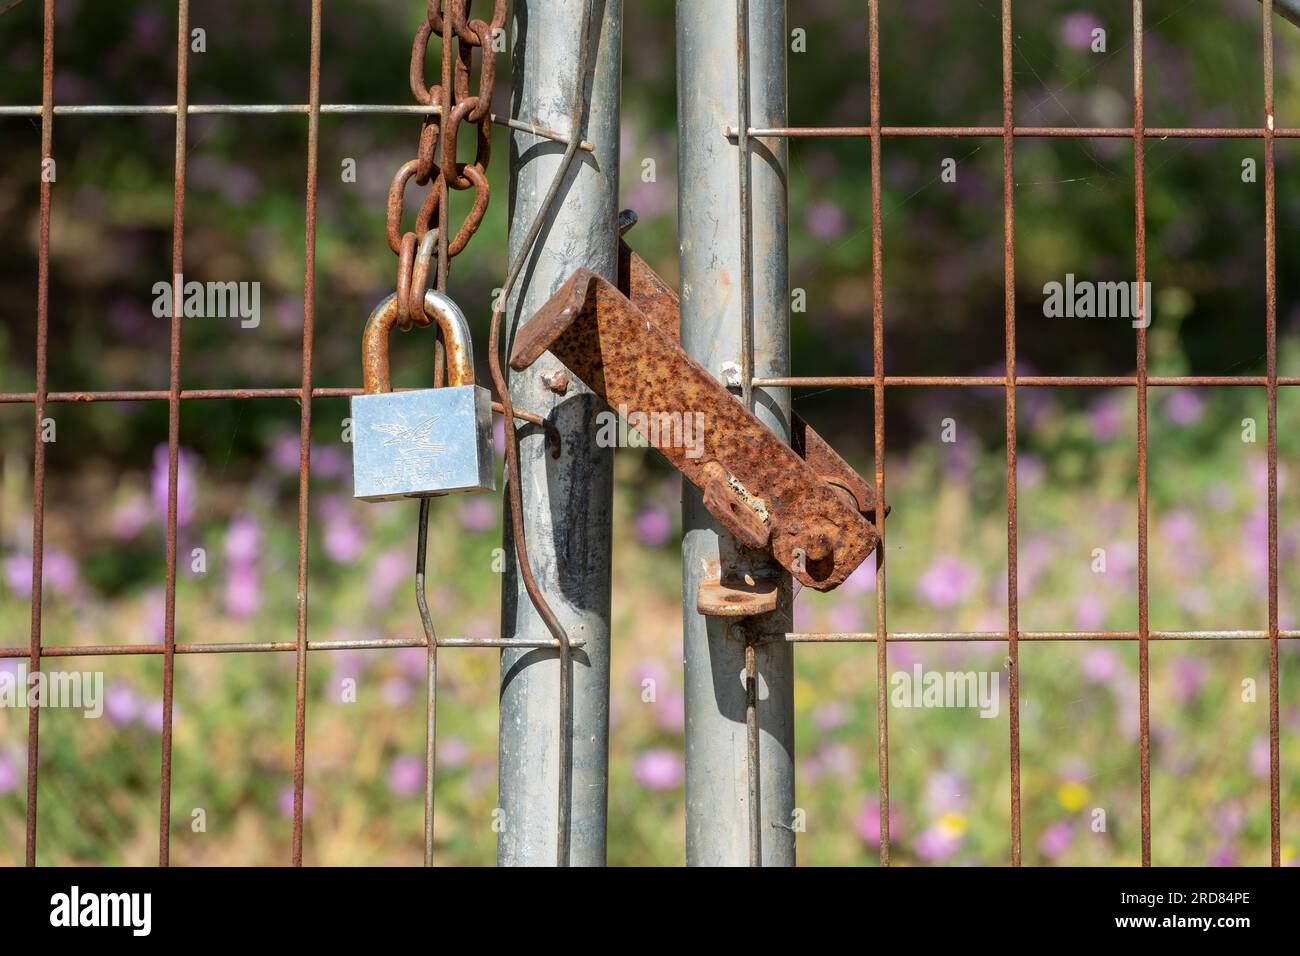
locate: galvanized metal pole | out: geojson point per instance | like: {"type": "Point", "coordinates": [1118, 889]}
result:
{"type": "Point", "coordinates": [566, 499]}
{"type": "Point", "coordinates": [733, 196]}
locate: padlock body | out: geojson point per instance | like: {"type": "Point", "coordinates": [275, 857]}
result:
{"type": "Point", "coordinates": [418, 444]}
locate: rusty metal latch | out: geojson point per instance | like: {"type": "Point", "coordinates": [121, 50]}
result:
{"type": "Point", "coordinates": [801, 502]}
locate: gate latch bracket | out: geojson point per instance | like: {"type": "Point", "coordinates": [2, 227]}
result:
{"type": "Point", "coordinates": [800, 502]}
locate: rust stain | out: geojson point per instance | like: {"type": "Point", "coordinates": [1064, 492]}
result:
{"type": "Point", "coordinates": [626, 349]}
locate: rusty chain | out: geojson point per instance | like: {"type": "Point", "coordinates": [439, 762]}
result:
{"type": "Point", "coordinates": [452, 104]}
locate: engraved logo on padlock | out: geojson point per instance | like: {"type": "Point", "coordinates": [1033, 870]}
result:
{"type": "Point", "coordinates": [427, 442]}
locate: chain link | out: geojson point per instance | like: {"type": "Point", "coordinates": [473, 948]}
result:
{"type": "Point", "coordinates": [435, 163]}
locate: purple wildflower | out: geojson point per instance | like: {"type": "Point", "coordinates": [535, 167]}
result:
{"type": "Point", "coordinates": [946, 582]}
{"type": "Point", "coordinates": [1089, 612]}
{"type": "Point", "coordinates": [476, 515]}
{"type": "Point", "coordinates": [1074, 770]}
{"type": "Point", "coordinates": [861, 581]}
{"type": "Point", "coordinates": [830, 715]}
{"type": "Point", "coordinates": [670, 711]}
{"type": "Point", "coordinates": [288, 314]}
{"type": "Point", "coordinates": [1260, 758]}
{"type": "Point", "coordinates": [649, 199]}
{"type": "Point", "coordinates": [1130, 718]}
{"type": "Point", "coordinates": [285, 802]}
{"type": "Point", "coordinates": [1229, 818]}
{"type": "Point", "coordinates": [836, 759]}
{"type": "Point", "coordinates": [805, 617]}
{"type": "Point", "coordinates": [906, 655]}
{"type": "Point", "coordinates": [330, 461]}
{"type": "Point", "coordinates": [1105, 418]}
{"type": "Point", "coordinates": [659, 769]}
{"type": "Point", "coordinates": [187, 468]}
{"type": "Point", "coordinates": [453, 752]}
{"type": "Point", "coordinates": [957, 460]}
{"type": "Point", "coordinates": [938, 842]}
{"type": "Point", "coordinates": [18, 573]}
{"type": "Point", "coordinates": [1224, 856]}
{"type": "Point", "coordinates": [1076, 30]}
{"type": "Point", "coordinates": [59, 573]}
{"type": "Point", "coordinates": [396, 692]}
{"type": "Point", "coordinates": [387, 572]}
{"type": "Point", "coordinates": [344, 538]}
{"type": "Point", "coordinates": [348, 665]}
{"type": "Point", "coordinates": [406, 776]}
{"type": "Point", "coordinates": [1122, 565]}
{"type": "Point", "coordinates": [121, 705]}
{"type": "Point", "coordinates": [69, 87]}
{"type": "Point", "coordinates": [243, 591]}
{"type": "Point", "coordinates": [148, 31]}
{"type": "Point", "coordinates": [1183, 406]}
{"type": "Point", "coordinates": [414, 662]}
{"type": "Point", "coordinates": [846, 616]}
{"type": "Point", "coordinates": [1030, 471]}
{"type": "Point", "coordinates": [867, 823]}
{"type": "Point", "coordinates": [285, 450]}
{"type": "Point", "coordinates": [1190, 675]}
{"type": "Point", "coordinates": [156, 616]}
{"type": "Point", "coordinates": [481, 627]}
{"type": "Point", "coordinates": [1255, 534]}
{"type": "Point", "coordinates": [1056, 839]}
{"type": "Point", "coordinates": [130, 517]}
{"type": "Point", "coordinates": [943, 792]}
{"type": "Point", "coordinates": [1179, 528]}
{"type": "Point", "coordinates": [1257, 473]}
{"type": "Point", "coordinates": [1101, 665]}
{"type": "Point", "coordinates": [126, 318]}
{"type": "Point", "coordinates": [653, 526]}
{"type": "Point", "coordinates": [650, 669]}
{"type": "Point", "coordinates": [243, 540]}
{"type": "Point", "coordinates": [151, 715]}
{"type": "Point", "coordinates": [826, 220]}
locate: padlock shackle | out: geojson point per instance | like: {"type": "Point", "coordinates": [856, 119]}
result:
{"type": "Point", "coordinates": [459, 347]}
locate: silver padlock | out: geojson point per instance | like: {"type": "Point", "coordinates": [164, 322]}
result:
{"type": "Point", "coordinates": [427, 442]}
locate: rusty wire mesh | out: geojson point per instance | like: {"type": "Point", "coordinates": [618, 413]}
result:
{"type": "Point", "coordinates": [175, 395]}
{"type": "Point", "coordinates": [879, 382]}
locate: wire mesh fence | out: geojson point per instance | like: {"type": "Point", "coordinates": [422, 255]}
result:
{"type": "Point", "coordinates": [175, 395]}
{"type": "Point", "coordinates": [879, 382]}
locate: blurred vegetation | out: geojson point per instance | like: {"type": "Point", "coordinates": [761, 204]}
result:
{"type": "Point", "coordinates": [944, 314]}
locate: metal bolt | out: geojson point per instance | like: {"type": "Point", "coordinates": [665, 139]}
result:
{"type": "Point", "coordinates": [819, 543]}
{"type": "Point", "coordinates": [558, 381]}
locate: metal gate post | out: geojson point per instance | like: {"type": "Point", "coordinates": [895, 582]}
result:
{"type": "Point", "coordinates": [566, 500]}
{"type": "Point", "coordinates": [732, 196]}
